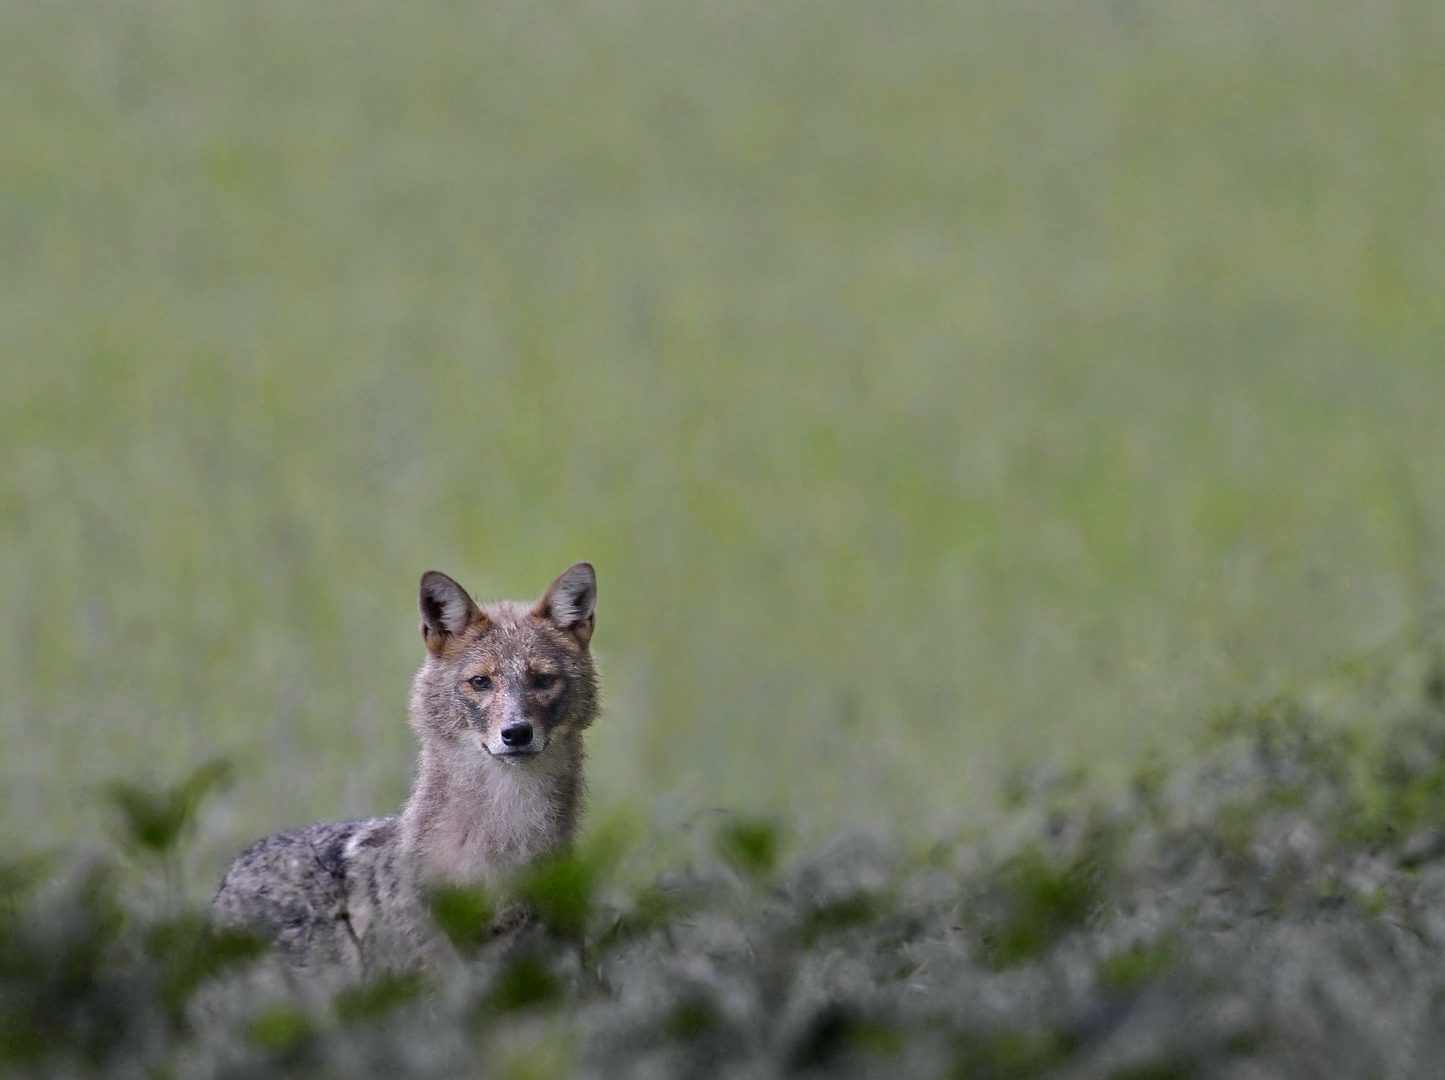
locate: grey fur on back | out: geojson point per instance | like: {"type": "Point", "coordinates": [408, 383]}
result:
{"type": "Point", "coordinates": [499, 707]}
{"type": "Point", "coordinates": [332, 895]}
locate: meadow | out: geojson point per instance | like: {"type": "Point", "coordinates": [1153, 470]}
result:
{"type": "Point", "coordinates": [940, 389]}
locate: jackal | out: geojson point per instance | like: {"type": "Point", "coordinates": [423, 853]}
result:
{"type": "Point", "coordinates": [499, 707]}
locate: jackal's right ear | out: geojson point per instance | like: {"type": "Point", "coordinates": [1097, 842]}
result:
{"type": "Point", "coordinates": [446, 610]}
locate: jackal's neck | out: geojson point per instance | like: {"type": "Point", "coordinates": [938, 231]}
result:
{"type": "Point", "coordinates": [474, 818]}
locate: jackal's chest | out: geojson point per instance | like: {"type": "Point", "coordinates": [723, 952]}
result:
{"type": "Point", "coordinates": [482, 834]}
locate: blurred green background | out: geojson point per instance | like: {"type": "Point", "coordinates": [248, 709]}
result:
{"type": "Point", "coordinates": [937, 387]}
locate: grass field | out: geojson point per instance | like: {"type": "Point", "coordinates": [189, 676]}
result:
{"type": "Point", "coordinates": [937, 387]}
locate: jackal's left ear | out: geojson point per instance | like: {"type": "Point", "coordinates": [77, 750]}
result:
{"type": "Point", "coordinates": [446, 610]}
{"type": "Point", "coordinates": [571, 601]}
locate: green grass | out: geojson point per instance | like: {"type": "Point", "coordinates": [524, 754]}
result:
{"type": "Point", "coordinates": [936, 386]}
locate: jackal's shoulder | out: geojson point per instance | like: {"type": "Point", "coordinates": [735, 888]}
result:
{"type": "Point", "coordinates": [316, 890]}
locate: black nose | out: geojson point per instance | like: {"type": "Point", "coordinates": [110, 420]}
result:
{"type": "Point", "coordinates": [518, 734]}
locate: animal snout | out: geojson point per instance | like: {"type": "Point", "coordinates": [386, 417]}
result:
{"type": "Point", "coordinates": [517, 734]}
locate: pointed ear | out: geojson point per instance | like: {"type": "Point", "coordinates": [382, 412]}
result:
{"type": "Point", "coordinates": [446, 610]}
{"type": "Point", "coordinates": [571, 602]}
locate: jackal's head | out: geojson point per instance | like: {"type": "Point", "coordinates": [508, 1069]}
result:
{"type": "Point", "coordinates": [508, 679]}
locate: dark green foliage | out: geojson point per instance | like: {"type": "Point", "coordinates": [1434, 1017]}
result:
{"type": "Point", "coordinates": [1007, 1055]}
{"type": "Point", "coordinates": [57, 989]}
{"type": "Point", "coordinates": [1168, 1070]}
{"type": "Point", "coordinates": [465, 915]}
{"type": "Point", "coordinates": [1271, 907]}
{"type": "Point", "coordinates": [836, 1033]}
{"type": "Point", "coordinates": [652, 908]}
{"type": "Point", "coordinates": [1408, 798]}
{"type": "Point", "coordinates": [524, 982]}
{"type": "Point", "coordinates": [187, 951]}
{"type": "Point", "coordinates": [844, 913]}
{"type": "Point", "coordinates": [559, 889]}
{"type": "Point", "coordinates": [18, 878]}
{"type": "Point", "coordinates": [280, 1029]}
{"type": "Point", "coordinates": [282, 1041]}
{"type": "Point", "coordinates": [1136, 964]}
{"type": "Point", "coordinates": [378, 996]}
{"type": "Point", "coordinates": [750, 844]}
{"type": "Point", "coordinates": [1044, 899]}
{"type": "Point", "coordinates": [692, 1018]}
{"type": "Point", "coordinates": [156, 820]}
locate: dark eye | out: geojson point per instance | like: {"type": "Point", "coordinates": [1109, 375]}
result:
{"type": "Point", "coordinates": [542, 681]}
{"type": "Point", "coordinates": [480, 682]}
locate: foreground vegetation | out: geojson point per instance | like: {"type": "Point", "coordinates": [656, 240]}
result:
{"type": "Point", "coordinates": [1274, 906]}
